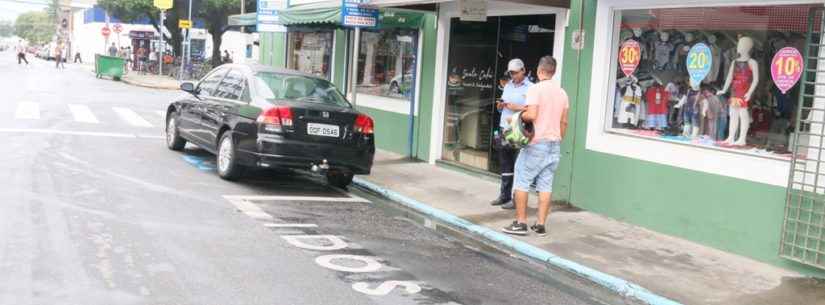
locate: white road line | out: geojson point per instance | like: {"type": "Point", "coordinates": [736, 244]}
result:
{"type": "Point", "coordinates": [28, 110]}
{"type": "Point", "coordinates": [131, 117]}
{"type": "Point", "coordinates": [82, 113]}
{"type": "Point", "coordinates": [80, 133]}
{"type": "Point", "coordinates": [290, 225]}
{"type": "Point", "coordinates": [297, 198]}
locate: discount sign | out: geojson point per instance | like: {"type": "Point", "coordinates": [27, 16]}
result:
{"type": "Point", "coordinates": [786, 68]}
{"type": "Point", "coordinates": [699, 60]}
{"type": "Point", "coordinates": [629, 56]}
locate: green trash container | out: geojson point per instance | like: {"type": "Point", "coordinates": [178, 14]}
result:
{"type": "Point", "coordinates": [109, 66]}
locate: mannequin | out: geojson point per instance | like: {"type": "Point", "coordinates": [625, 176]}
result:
{"type": "Point", "coordinates": [657, 99]}
{"type": "Point", "coordinates": [691, 105]}
{"type": "Point", "coordinates": [743, 76]}
{"type": "Point", "coordinates": [662, 50]}
{"type": "Point", "coordinates": [716, 60]}
{"type": "Point", "coordinates": [637, 36]}
{"type": "Point", "coordinates": [682, 49]}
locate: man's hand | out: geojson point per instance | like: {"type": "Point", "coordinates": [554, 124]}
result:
{"type": "Point", "coordinates": [514, 107]}
{"type": "Point", "coordinates": [500, 104]}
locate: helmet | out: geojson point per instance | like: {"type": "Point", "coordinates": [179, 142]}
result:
{"type": "Point", "coordinates": [521, 132]}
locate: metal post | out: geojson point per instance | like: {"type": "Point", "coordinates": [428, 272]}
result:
{"type": "Point", "coordinates": [162, 49]}
{"type": "Point", "coordinates": [189, 39]}
{"type": "Point", "coordinates": [353, 81]}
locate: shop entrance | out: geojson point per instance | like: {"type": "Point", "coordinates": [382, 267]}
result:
{"type": "Point", "coordinates": [477, 64]}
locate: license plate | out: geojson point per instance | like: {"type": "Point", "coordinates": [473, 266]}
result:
{"type": "Point", "coordinates": [324, 130]}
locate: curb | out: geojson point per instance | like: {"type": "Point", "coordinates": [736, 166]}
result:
{"type": "Point", "coordinates": [140, 84]}
{"type": "Point", "coordinates": [618, 285]}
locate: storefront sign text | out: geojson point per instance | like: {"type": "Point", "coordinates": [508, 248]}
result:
{"type": "Point", "coordinates": [786, 68]}
{"type": "Point", "coordinates": [355, 13]}
{"type": "Point", "coordinates": [472, 10]}
{"type": "Point", "coordinates": [268, 19]}
{"type": "Point", "coordinates": [699, 61]}
{"type": "Point", "coordinates": [629, 56]}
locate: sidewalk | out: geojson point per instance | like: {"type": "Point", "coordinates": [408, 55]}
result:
{"type": "Point", "coordinates": [150, 81]}
{"type": "Point", "coordinates": [669, 267]}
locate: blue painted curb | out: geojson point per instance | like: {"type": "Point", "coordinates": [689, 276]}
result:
{"type": "Point", "coordinates": [618, 285]}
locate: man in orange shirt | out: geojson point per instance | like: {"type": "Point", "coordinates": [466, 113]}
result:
{"type": "Point", "coordinates": [547, 106]}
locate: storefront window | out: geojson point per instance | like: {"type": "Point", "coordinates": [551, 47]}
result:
{"type": "Point", "coordinates": [386, 63]}
{"type": "Point", "coordinates": [703, 76]}
{"type": "Point", "coordinates": [310, 51]}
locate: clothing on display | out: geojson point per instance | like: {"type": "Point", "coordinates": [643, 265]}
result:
{"type": "Point", "coordinates": [656, 98]}
{"type": "Point", "coordinates": [662, 51]}
{"type": "Point", "coordinates": [742, 78]}
{"type": "Point", "coordinates": [631, 104]}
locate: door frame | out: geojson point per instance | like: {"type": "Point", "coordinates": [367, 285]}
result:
{"type": "Point", "coordinates": [446, 12]}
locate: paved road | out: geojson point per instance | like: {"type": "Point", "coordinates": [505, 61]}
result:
{"type": "Point", "coordinates": [97, 211]}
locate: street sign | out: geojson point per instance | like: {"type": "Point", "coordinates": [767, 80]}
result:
{"type": "Point", "coordinates": [117, 27]}
{"type": "Point", "coordinates": [185, 24]}
{"type": "Point", "coordinates": [163, 4]}
{"type": "Point", "coordinates": [105, 31]}
{"type": "Point", "coordinates": [356, 14]}
{"type": "Point", "coordinates": [268, 19]}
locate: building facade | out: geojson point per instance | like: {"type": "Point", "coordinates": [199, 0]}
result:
{"type": "Point", "coordinates": [682, 120]}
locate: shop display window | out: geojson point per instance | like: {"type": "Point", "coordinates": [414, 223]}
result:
{"type": "Point", "coordinates": [386, 62]}
{"type": "Point", "coordinates": [703, 76]}
{"type": "Point", "coordinates": [310, 51]}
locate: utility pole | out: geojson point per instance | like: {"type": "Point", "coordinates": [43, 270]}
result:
{"type": "Point", "coordinates": [162, 46]}
{"type": "Point", "coordinates": [243, 11]}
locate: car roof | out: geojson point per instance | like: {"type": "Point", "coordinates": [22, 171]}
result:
{"type": "Point", "coordinates": [255, 68]}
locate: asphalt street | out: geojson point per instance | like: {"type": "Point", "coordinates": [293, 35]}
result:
{"type": "Point", "coordinates": [96, 210]}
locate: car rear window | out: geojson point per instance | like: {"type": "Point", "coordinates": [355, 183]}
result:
{"type": "Point", "coordinates": [277, 86]}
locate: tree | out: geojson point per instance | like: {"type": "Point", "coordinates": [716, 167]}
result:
{"type": "Point", "coordinates": [6, 29]}
{"type": "Point", "coordinates": [35, 27]}
{"type": "Point", "coordinates": [215, 14]}
{"type": "Point", "coordinates": [134, 10]}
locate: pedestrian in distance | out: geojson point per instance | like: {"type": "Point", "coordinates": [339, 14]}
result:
{"type": "Point", "coordinates": [77, 58]}
{"type": "Point", "coordinates": [113, 50]}
{"type": "Point", "coordinates": [513, 99]}
{"type": "Point", "coordinates": [547, 109]}
{"type": "Point", "coordinates": [21, 53]}
{"type": "Point", "coordinates": [58, 57]}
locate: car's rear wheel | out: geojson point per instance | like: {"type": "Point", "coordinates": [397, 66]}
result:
{"type": "Point", "coordinates": [228, 167]}
{"type": "Point", "coordinates": [173, 139]}
{"type": "Point", "coordinates": [339, 178]}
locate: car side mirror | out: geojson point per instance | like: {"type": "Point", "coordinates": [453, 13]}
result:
{"type": "Point", "coordinates": [188, 87]}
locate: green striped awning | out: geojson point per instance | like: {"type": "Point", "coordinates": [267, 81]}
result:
{"type": "Point", "coordinates": [296, 16]}
{"type": "Point", "coordinates": [388, 18]}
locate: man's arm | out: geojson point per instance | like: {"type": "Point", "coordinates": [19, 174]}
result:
{"type": "Point", "coordinates": [564, 123]}
{"type": "Point", "coordinates": [515, 107]}
{"type": "Point", "coordinates": [530, 114]}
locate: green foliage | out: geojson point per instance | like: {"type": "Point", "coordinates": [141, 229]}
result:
{"type": "Point", "coordinates": [6, 29]}
{"type": "Point", "coordinates": [36, 27]}
{"type": "Point", "coordinates": [129, 10]}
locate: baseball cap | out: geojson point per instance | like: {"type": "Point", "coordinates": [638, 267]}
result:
{"type": "Point", "coordinates": [515, 64]}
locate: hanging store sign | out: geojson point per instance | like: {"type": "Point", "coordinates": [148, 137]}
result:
{"type": "Point", "coordinates": [357, 14]}
{"type": "Point", "coordinates": [472, 10]}
{"type": "Point", "coordinates": [699, 61]}
{"type": "Point", "coordinates": [629, 56]}
{"type": "Point", "coordinates": [786, 68]}
{"type": "Point", "coordinates": [268, 19]}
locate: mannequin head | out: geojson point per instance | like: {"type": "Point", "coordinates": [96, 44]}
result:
{"type": "Point", "coordinates": [744, 46]}
{"type": "Point", "coordinates": [637, 32]}
{"type": "Point", "coordinates": [712, 38]}
{"type": "Point", "coordinates": [664, 36]}
{"type": "Point", "coordinates": [689, 36]}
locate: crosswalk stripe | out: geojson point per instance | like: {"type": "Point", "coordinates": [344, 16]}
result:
{"type": "Point", "coordinates": [131, 117]}
{"type": "Point", "coordinates": [162, 114]}
{"type": "Point", "coordinates": [83, 114]}
{"type": "Point", "coordinates": [28, 110]}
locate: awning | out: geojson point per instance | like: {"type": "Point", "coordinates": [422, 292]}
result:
{"type": "Point", "coordinates": [248, 19]}
{"type": "Point", "coordinates": [296, 16]}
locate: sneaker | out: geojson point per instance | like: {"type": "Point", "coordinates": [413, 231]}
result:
{"type": "Point", "coordinates": [515, 228]}
{"type": "Point", "coordinates": [498, 201]}
{"type": "Point", "coordinates": [509, 206]}
{"type": "Point", "coordinates": [539, 229]}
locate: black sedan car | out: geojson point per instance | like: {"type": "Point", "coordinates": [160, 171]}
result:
{"type": "Point", "coordinates": [259, 116]}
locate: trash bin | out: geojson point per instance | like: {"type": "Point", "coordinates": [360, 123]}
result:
{"type": "Point", "coordinates": [109, 66]}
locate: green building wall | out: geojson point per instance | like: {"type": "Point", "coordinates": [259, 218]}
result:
{"type": "Point", "coordinates": [733, 215]}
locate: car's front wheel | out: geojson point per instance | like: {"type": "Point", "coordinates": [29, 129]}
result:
{"type": "Point", "coordinates": [339, 178]}
{"type": "Point", "coordinates": [173, 139]}
{"type": "Point", "coordinates": [228, 167]}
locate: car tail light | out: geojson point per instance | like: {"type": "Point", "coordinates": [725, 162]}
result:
{"type": "Point", "coordinates": [364, 124]}
{"type": "Point", "coordinates": [276, 118]}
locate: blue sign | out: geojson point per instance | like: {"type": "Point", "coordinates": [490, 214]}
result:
{"type": "Point", "coordinates": [698, 63]}
{"type": "Point", "coordinates": [267, 16]}
{"type": "Point", "coordinates": [354, 13]}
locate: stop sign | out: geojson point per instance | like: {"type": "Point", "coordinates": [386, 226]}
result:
{"type": "Point", "coordinates": [105, 31]}
{"type": "Point", "coordinates": [118, 28]}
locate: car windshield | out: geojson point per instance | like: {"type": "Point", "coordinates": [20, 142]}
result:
{"type": "Point", "coordinates": [278, 86]}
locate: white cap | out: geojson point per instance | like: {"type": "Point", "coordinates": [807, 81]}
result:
{"type": "Point", "coordinates": [515, 64]}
